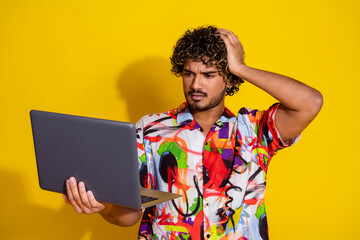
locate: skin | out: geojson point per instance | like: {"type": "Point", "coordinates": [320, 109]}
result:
{"type": "Point", "coordinates": [84, 202]}
{"type": "Point", "coordinates": [204, 90]}
{"type": "Point", "coordinates": [299, 103]}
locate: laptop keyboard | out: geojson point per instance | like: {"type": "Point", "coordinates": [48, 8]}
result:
{"type": "Point", "coordinates": [145, 199]}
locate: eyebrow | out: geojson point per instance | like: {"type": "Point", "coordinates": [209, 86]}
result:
{"type": "Point", "coordinates": [208, 72]}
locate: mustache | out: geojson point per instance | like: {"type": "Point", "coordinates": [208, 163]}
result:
{"type": "Point", "coordinates": [197, 91]}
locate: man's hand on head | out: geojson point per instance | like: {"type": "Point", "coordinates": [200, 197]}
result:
{"type": "Point", "coordinates": [235, 51]}
{"type": "Point", "coordinates": [296, 110]}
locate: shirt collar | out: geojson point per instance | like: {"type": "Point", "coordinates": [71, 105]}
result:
{"type": "Point", "coordinates": [184, 116]}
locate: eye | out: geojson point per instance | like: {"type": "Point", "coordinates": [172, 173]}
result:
{"type": "Point", "coordinates": [209, 75]}
{"type": "Point", "coordinates": [187, 74]}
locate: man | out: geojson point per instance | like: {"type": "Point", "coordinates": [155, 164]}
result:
{"type": "Point", "coordinates": [217, 161]}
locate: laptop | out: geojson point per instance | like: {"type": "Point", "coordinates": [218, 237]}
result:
{"type": "Point", "coordinates": [101, 153]}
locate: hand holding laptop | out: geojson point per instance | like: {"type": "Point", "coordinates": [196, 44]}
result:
{"type": "Point", "coordinates": [103, 155]}
{"type": "Point", "coordinates": [84, 202]}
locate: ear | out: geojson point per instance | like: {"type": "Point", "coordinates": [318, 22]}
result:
{"type": "Point", "coordinates": [228, 85]}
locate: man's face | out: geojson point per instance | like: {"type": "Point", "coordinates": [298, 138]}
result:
{"type": "Point", "coordinates": [204, 87]}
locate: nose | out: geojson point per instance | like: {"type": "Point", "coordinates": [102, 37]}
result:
{"type": "Point", "coordinates": [196, 82]}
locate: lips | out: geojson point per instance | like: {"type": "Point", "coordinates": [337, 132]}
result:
{"type": "Point", "coordinates": [197, 97]}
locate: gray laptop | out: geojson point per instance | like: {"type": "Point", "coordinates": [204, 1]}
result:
{"type": "Point", "coordinates": [101, 153]}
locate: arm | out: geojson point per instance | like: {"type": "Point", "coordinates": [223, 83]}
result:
{"type": "Point", "coordinates": [84, 202]}
{"type": "Point", "coordinates": [299, 103]}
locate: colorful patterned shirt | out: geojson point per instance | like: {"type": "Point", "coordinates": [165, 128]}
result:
{"type": "Point", "coordinates": [221, 176]}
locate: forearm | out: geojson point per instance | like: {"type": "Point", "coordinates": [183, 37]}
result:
{"type": "Point", "coordinates": [291, 93]}
{"type": "Point", "coordinates": [120, 215]}
{"type": "Point", "coordinates": [299, 103]}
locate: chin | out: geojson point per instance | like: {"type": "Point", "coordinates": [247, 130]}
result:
{"type": "Point", "coordinates": [198, 106]}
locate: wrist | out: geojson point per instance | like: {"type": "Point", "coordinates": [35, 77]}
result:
{"type": "Point", "coordinates": [108, 208]}
{"type": "Point", "coordinates": [240, 70]}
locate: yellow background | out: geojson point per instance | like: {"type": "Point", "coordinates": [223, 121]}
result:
{"type": "Point", "coordinates": [109, 59]}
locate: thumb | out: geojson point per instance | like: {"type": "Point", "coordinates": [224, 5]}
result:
{"type": "Point", "coordinates": [66, 199]}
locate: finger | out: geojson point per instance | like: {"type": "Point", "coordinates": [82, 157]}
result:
{"type": "Point", "coordinates": [83, 195]}
{"type": "Point", "coordinates": [222, 30]}
{"type": "Point", "coordinates": [70, 197]}
{"type": "Point", "coordinates": [224, 37]}
{"type": "Point", "coordinates": [93, 202]}
{"type": "Point", "coordinates": [222, 33]}
{"type": "Point", "coordinates": [66, 199]}
{"type": "Point", "coordinates": [227, 38]}
{"type": "Point", "coordinates": [232, 38]}
{"type": "Point", "coordinates": [78, 201]}
{"type": "Point", "coordinates": [228, 35]}
{"type": "Point", "coordinates": [75, 191]}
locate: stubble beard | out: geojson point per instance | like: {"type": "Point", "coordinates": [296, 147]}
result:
{"type": "Point", "coordinates": [214, 102]}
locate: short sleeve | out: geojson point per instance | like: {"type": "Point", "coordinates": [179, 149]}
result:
{"type": "Point", "coordinates": [259, 136]}
{"type": "Point", "coordinates": [282, 144]}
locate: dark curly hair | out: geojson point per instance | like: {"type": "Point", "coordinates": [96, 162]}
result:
{"type": "Point", "coordinates": [203, 44]}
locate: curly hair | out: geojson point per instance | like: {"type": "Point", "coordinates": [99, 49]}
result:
{"type": "Point", "coordinates": [205, 45]}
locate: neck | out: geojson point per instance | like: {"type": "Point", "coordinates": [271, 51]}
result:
{"type": "Point", "coordinates": [207, 118]}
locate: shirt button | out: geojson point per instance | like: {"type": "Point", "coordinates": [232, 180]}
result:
{"type": "Point", "coordinates": [208, 236]}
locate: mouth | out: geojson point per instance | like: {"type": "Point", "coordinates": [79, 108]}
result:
{"type": "Point", "coordinates": [196, 95]}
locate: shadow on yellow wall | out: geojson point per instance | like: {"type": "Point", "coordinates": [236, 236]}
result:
{"type": "Point", "coordinates": [144, 85]}
{"type": "Point", "coordinates": [141, 85]}
{"type": "Point", "coordinates": [27, 221]}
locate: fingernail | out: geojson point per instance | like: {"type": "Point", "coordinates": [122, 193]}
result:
{"type": "Point", "coordinates": [72, 180]}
